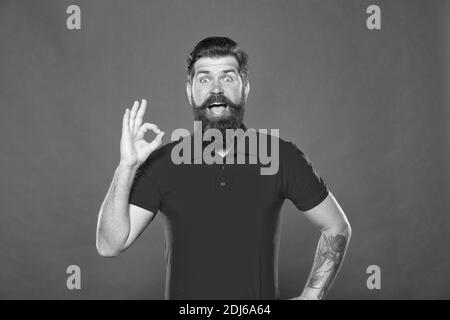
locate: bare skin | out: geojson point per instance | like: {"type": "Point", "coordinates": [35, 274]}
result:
{"type": "Point", "coordinates": [335, 229]}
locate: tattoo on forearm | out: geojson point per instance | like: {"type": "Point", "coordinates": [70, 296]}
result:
{"type": "Point", "coordinates": [329, 255]}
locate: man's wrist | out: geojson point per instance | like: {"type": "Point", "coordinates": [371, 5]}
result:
{"type": "Point", "coordinates": [309, 296]}
{"type": "Point", "coordinates": [302, 297]}
{"type": "Point", "coordinates": [126, 167]}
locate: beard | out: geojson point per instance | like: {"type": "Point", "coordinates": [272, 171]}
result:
{"type": "Point", "coordinates": [232, 120]}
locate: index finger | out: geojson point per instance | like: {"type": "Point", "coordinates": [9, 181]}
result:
{"type": "Point", "coordinates": [125, 120]}
{"type": "Point", "coordinates": [142, 109]}
{"type": "Point", "coordinates": [139, 116]}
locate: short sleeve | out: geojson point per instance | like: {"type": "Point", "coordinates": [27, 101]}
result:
{"type": "Point", "coordinates": [300, 182]}
{"type": "Point", "coordinates": [144, 191]}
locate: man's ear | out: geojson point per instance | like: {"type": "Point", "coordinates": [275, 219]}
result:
{"type": "Point", "coordinates": [246, 90]}
{"type": "Point", "coordinates": [188, 91]}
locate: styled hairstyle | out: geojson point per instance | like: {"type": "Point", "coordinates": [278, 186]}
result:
{"type": "Point", "coordinates": [215, 47]}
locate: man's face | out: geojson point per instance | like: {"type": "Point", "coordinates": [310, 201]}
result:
{"type": "Point", "coordinates": [217, 93]}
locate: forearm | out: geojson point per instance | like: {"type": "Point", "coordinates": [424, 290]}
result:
{"type": "Point", "coordinates": [328, 259]}
{"type": "Point", "coordinates": [113, 225]}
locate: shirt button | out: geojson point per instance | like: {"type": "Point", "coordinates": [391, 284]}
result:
{"type": "Point", "coordinates": [223, 184]}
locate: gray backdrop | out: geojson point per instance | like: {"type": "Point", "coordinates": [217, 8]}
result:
{"type": "Point", "coordinates": [370, 109]}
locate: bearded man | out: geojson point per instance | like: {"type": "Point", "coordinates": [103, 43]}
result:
{"type": "Point", "coordinates": [222, 220]}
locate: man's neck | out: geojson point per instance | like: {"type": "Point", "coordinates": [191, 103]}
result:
{"type": "Point", "coordinates": [221, 152]}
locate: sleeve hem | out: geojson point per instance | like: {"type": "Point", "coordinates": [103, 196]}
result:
{"type": "Point", "coordinates": [317, 200]}
{"type": "Point", "coordinates": [154, 210]}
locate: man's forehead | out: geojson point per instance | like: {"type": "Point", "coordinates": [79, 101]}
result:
{"type": "Point", "coordinates": [216, 64]}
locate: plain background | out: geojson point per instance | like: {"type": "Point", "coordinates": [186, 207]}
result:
{"type": "Point", "coordinates": [369, 108]}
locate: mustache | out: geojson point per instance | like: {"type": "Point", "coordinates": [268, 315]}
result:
{"type": "Point", "coordinates": [218, 98]}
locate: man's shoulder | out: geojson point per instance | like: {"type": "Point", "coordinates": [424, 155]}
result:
{"type": "Point", "coordinates": [289, 145]}
{"type": "Point", "coordinates": [290, 152]}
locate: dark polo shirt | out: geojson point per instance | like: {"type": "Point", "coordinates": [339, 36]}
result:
{"type": "Point", "coordinates": [222, 221]}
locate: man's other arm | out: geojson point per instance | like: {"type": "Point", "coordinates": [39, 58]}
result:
{"type": "Point", "coordinates": [335, 229]}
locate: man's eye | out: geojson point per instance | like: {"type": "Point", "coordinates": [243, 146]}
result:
{"type": "Point", "coordinates": [203, 80]}
{"type": "Point", "coordinates": [228, 79]}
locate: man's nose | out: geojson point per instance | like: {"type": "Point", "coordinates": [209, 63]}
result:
{"type": "Point", "coordinates": [216, 87]}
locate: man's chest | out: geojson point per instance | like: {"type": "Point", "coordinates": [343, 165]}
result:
{"type": "Point", "coordinates": [197, 189]}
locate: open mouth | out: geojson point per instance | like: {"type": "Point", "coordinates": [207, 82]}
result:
{"type": "Point", "coordinates": [218, 109]}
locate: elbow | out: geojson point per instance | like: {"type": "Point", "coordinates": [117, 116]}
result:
{"type": "Point", "coordinates": [343, 229]}
{"type": "Point", "coordinates": [106, 251]}
{"type": "Point", "coordinates": [347, 230]}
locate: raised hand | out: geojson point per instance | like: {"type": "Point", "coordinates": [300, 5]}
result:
{"type": "Point", "coordinates": [134, 150]}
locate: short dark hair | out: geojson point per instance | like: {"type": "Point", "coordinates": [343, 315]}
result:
{"type": "Point", "coordinates": [213, 47]}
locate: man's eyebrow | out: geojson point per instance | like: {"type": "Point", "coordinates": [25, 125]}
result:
{"type": "Point", "coordinates": [229, 70]}
{"type": "Point", "coordinates": [223, 71]}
